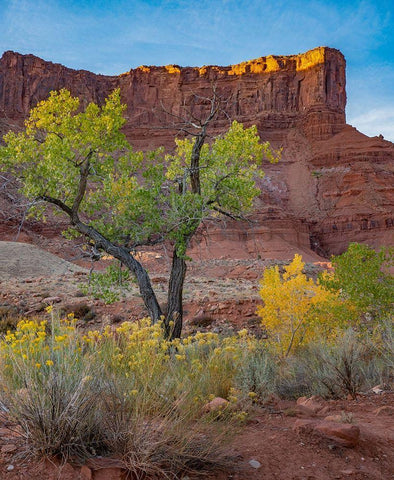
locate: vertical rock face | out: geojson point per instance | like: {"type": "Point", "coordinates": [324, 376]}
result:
{"type": "Point", "coordinates": [333, 184]}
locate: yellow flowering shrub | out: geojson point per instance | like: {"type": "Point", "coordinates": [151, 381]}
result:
{"type": "Point", "coordinates": [120, 387]}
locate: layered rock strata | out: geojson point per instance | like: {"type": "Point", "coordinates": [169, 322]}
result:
{"type": "Point", "coordinates": [333, 184]}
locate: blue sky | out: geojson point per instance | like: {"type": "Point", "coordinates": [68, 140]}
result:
{"type": "Point", "coordinates": [110, 37]}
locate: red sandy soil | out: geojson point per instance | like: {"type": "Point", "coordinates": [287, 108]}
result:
{"type": "Point", "coordinates": [268, 438]}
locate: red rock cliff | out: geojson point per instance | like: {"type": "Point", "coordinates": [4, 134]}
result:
{"type": "Point", "coordinates": [333, 185]}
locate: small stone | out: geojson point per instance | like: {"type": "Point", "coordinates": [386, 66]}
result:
{"type": "Point", "coordinates": [348, 472]}
{"type": "Point", "coordinates": [254, 464]}
{"type": "Point", "coordinates": [304, 426]}
{"type": "Point", "coordinates": [10, 468]}
{"type": "Point", "coordinates": [304, 411]}
{"type": "Point", "coordinates": [333, 418]}
{"type": "Point", "coordinates": [378, 390]}
{"type": "Point", "coordinates": [52, 300]}
{"type": "Point", "coordinates": [86, 473]}
{"type": "Point", "coordinates": [218, 403]}
{"type": "Point", "coordinates": [312, 403]}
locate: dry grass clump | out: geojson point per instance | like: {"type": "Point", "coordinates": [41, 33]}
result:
{"type": "Point", "coordinates": [48, 388]}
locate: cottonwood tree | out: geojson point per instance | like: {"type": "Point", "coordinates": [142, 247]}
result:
{"type": "Point", "coordinates": [80, 163]}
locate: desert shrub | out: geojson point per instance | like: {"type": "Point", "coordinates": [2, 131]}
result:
{"type": "Point", "coordinates": [47, 384]}
{"type": "Point", "coordinates": [293, 380]}
{"type": "Point", "coordinates": [8, 323]}
{"type": "Point", "coordinates": [344, 367]}
{"type": "Point", "coordinates": [165, 441]}
{"type": "Point", "coordinates": [382, 342]}
{"type": "Point", "coordinates": [296, 307]}
{"type": "Point", "coordinates": [256, 376]}
{"type": "Point", "coordinates": [156, 390]}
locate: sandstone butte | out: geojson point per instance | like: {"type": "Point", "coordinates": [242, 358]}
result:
{"type": "Point", "coordinates": [333, 185]}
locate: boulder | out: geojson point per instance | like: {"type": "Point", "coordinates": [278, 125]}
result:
{"type": "Point", "coordinates": [343, 434]}
{"type": "Point", "coordinates": [215, 405]}
{"type": "Point", "coordinates": [313, 403]}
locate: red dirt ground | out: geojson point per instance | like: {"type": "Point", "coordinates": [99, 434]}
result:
{"type": "Point", "coordinates": [268, 438]}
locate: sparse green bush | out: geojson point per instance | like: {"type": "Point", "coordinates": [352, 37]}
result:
{"type": "Point", "coordinates": [109, 285]}
{"type": "Point", "coordinates": [258, 372]}
{"type": "Point", "coordinates": [345, 367]}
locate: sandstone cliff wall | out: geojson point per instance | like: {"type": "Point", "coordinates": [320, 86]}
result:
{"type": "Point", "coordinates": [333, 185]}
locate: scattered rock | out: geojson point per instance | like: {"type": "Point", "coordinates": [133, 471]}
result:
{"type": "Point", "coordinates": [86, 473]}
{"type": "Point", "coordinates": [303, 411]}
{"type": "Point", "coordinates": [116, 318]}
{"type": "Point", "coordinates": [254, 464]}
{"type": "Point", "coordinates": [345, 435]}
{"type": "Point", "coordinates": [378, 390]}
{"type": "Point", "coordinates": [81, 310]}
{"type": "Point", "coordinates": [333, 418]}
{"type": "Point", "coordinates": [106, 469]}
{"type": "Point", "coordinates": [348, 472]}
{"type": "Point", "coordinates": [10, 468]}
{"type": "Point", "coordinates": [303, 426]}
{"type": "Point", "coordinates": [312, 403]}
{"type": "Point", "coordinates": [52, 300]}
{"type": "Point", "coordinates": [325, 410]}
{"type": "Point", "coordinates": [218, 403]}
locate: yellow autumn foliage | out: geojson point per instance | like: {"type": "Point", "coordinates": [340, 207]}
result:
{"type": "Point", "coordinates": [296, 307]}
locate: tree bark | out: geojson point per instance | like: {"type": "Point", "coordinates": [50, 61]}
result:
{"type": "Point", "coordinates": [120, 253]}
{"type": "Point", "coordinates": [175, 297]}
{"type": "Point", "coordinates": [124, 256]}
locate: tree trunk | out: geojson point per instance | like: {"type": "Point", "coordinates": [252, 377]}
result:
{"type": "Point", "coordinates": [175, 297]}
{"type": "Point", "coordinates": [124, 256]}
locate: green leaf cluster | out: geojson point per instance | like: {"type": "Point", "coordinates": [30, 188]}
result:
{"type": "Point", "coordinates": [362, 275]}
{"type": "Point", "coordinates": [58, 139]}
{"type": "Point", "coordinates": [132, 198]}
{"type": "Point", "coordinates": [109, 285]}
